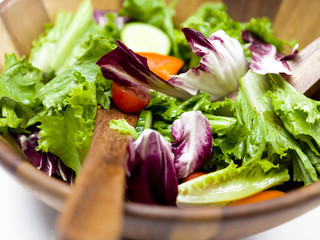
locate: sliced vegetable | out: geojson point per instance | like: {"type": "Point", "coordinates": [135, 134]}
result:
{"type": "Point", "coordinates": [143, 37]}
{"type": "Point", "coordinates": [129, 99]}
{"type": "Point", "coordinates": [144, 121]}
{"type": "Point", "coordinates": [162, 65]}
{"type": "Point", "coordinates": [193, 142]}
{"type": "Point", "coordinates": [156, 13]}
{"type": "Point", "coordinates": [150, 171]}
{"type": "Point", "coordinates": [259, 197]}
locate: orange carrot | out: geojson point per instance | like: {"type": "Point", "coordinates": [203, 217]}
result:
{"type": "Point", "coordinates": [259, 197]}
{"type": "Point", "coordinates": [162, 65]}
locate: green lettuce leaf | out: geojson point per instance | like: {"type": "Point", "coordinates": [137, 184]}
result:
{"type": "Point", "coordinates": [231, 183]}
{"type": "Point", "coordinates": [68, 133]}
{"type": "Point", "coordinates": [263, 28]}
{"type": "Point", "coordinates": [64, 40]}
{"type": "Point", "coordinates": [20, 81]}
{"type": "Point", "coordinates": [14, 116]}
{"type": "Point", "coordinates": [211, 17]}
{"type": "Point", "coordinates": [53, 93]}
{"type": "Point", "coordinates": [268, 137]}
{"type": "Point", "coordinates": [122, 126]}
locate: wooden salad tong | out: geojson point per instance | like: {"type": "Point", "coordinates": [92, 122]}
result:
{"type": "Point", "coordinates": [94, 209]}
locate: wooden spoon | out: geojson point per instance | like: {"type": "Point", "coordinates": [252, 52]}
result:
{"type": "Point", "coordinates": [94, 209]}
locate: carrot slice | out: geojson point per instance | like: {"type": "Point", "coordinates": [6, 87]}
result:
{"type": "Point", "coordinates": [259, 197]}
{"type": "Point", "coordinates": [162, 65]}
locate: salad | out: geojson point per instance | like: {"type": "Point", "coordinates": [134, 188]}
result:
{"type": "Point", "coordinates": [192, 144]}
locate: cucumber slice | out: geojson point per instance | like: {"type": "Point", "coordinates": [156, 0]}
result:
{"type": "Point", "coordinates": [144, 121]}
{"type": "Point", "coordinates": [143, 37]}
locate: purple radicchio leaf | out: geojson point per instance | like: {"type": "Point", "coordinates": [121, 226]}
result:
{"type": "Point", "coordinates": [99, 16]}
{"type": "Point", "coordinates": [46, 162]}
{"type": "Point", "coordinates": [223, 63]}
{"type": "Point", "coordinates": [150, 172]}
{"type": "Point", "coordinates": [265, 57]}
{"type": "Point", "coordinates": [129, 69]}
{"type": "Point", "coordinates": [193, 142]}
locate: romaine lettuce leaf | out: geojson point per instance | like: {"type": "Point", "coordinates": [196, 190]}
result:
{"type": "Point", "coordinates": [65, 41]}
{"type": "Point", "coordinates": [268, 137]}
{"type": "Point", "coordinates": [299, 115]}
{"type": "Point", "coordinates": [231, 183]}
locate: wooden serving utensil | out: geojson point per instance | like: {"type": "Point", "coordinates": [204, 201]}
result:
{"type": "Point", "coordinates": [94, 209]}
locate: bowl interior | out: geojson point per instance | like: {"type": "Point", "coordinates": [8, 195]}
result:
{"type": "Point", "coordinates": [18, 28]}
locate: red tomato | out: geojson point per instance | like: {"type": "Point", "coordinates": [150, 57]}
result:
{"type": "Point", "coordinates": [193, 175]}
{"type": "Point", "coordinates": [162, 65]}
{"type": "Point", "coordinates": [129, 99]}
{"type": "Point", "coordinates": [259, 197]}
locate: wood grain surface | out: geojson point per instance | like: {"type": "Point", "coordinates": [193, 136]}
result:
{"type": "Point", "coordinates": [94, 208]}
{"type": "Point", "coordinates": [306, 69]}
{"type": "Point", "coordinates": [298, 19]}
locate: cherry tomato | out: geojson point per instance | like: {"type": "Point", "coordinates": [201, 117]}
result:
{"type": "Point", "coordinates": [193, 175]}
{"type": "Point", "coordinates": [162, 65]}
{"type": "Point", "coordinates": [259, 197]}
{"type": "Point", "coordinates": [129, 99]}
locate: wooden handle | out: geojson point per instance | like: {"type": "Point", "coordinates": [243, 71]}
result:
{"type": "Point", "coordinates": [305, 69]}
{"type": "Point", "coordinates": [94, 209]}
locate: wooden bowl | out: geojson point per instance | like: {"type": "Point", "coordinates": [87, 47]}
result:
{"type": "Point", "coordinates": [22, 20]}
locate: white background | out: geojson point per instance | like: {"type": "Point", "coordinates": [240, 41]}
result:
{"type": "Point", "coordinates": [23, 217]}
